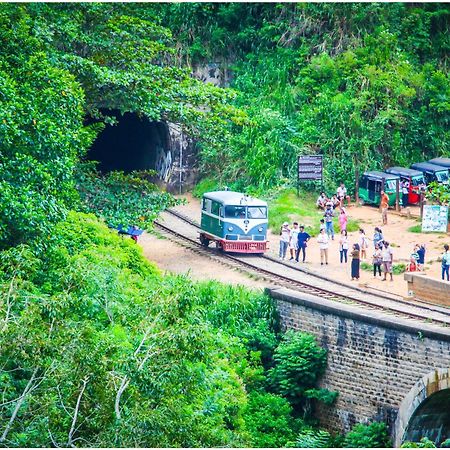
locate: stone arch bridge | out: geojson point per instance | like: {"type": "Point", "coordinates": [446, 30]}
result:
{"type": "Point", "coordinates": [385, 368]}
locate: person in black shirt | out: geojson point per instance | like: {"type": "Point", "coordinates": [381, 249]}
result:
{"type": "Point", "coordinates": [303, 238]}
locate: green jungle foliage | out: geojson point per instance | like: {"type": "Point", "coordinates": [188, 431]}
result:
{"type": "Point", "coordinates": [99, 349]}
{"type": "Point", "coordinates": [374, 435]}
{"type": "Point", "coordinates": [62, 68]}
{"type": "Point", "coordinates": [314, 438]}
{"type": "Point", "coordinates": [121, 199]}
{"type": "Point", "coordinates": [425, 443]}
{"type": "Point", "coordinates": [366, 85]}
{"type": "Point", "coordinates": [299, 361]}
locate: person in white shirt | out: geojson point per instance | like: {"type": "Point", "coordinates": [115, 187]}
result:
{"type": "Point", "coordinates": [322, 200]}
{"type": "Point", "coordinates": [405, 193]}
{"type": "Point", "coordinates": [387, 257]}
{"type": "Point", "coordinates": [341, 193]}
{"type": "Point", "coordinates": [293, 243]}
{"type": "Point", "coordinates": [343, 246]}
{"type": "Point", "coordinates": [285, 233]}
{"type": "Point", "coordinates": [323, 241]}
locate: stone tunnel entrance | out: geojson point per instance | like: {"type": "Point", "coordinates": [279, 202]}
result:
{"type": "Point", "coordinates": [135, 143]}
{"type": "Point", "coordinates": [425, 411]}
{"type": "Point", "coordinates": [431, 419]}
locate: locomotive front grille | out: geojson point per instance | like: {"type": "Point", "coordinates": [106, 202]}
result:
{"type": "Point", "coordinates": [245, 247]}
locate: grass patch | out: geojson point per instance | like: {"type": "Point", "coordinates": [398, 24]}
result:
{"type": "Point", "coordinates": [205, 185]}
{"type": "Point", "coordinates": [415, 228]}
{"type": "Point", "coordinates": [397, 269]}
{"type": "Point", "coordinates": [287, 207]}
{"type": "Point", "coordinates": [418, 229]}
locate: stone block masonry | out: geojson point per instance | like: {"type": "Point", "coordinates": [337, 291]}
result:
{"type": "Point", "coordinates": [374, 359]}
{"type": "Point", "coordinates": [428, 289]}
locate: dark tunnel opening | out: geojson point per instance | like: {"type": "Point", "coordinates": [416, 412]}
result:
{"type": "Point", "coordinates": [134, 143]}
{"type": "Point", "coordinates": [431, 419]}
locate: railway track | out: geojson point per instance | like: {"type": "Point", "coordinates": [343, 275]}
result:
{"type": "Point", "coordinates": [388, 304]}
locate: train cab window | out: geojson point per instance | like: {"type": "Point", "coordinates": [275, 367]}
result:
{"type": "Point", "coordinates": [207, 205]}
{"type": "Point", "coordinates": [235, 212]}
{"type": "Point", "coordinates": [215, 207]}
{"type": "Point", "coordinates": [257, 212]}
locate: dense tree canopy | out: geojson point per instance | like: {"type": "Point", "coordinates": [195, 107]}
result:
{"type": "Point", "coordinates": [365, 84]}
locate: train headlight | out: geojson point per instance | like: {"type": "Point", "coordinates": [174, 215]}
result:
{"type": "Point", "coordinates": [260, 229]}
{"type": "Point", "coordinates": [230, 228]}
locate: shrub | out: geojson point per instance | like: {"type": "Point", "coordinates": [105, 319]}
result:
{"type": "Point", "coordinates": [269, 421]}
{"type": "Point", "coordinates": [299, 362]}
{"type": "Point", "coordinates": [374, 435]}
{"type": "Point", "coordinates": [314, 438]}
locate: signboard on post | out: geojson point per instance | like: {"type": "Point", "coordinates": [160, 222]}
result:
{"type": "Point", "coordinates": [310, 167]}
{"type": "Point", "coordinates": [435, 218]}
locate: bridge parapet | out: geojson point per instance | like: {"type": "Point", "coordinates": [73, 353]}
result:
{"type": "Point", "coordinates": [374, 359]}
{"type": "Point", "coordinates": [428, 289]}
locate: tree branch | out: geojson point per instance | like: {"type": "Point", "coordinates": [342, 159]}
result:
{"type": "Point", "coordinates": [123, 386]}
{"type": "Point", "coordinates": [75, 415]}
{"type": "Point", "coordinates": [18, 405]}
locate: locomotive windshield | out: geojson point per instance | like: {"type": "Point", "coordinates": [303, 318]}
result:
{"type": "Point", "coordinates": [235, 212]}
{"type": "Point", "coordinates": [242, 212]}
{"type": "Point", "coordinates": [257, 212]}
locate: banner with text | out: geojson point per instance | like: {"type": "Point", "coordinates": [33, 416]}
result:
{"type": "Point", "coordinates": [435, 218]}
{"type": "Point", "coordinates": [310, 167]}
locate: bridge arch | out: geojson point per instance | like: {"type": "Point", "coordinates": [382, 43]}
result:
{"type": "Point", "coordinates": [425, 407]}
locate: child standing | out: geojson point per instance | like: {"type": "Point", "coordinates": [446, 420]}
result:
{"type": "Point", "coordinates": [363, 243]}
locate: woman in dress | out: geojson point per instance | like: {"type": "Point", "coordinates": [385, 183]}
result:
{"type": "Point", "coordinates": [355, 262]}
{"type": "Point", "coordinates": [343, 219]}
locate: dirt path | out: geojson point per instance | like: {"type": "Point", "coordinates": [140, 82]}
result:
{"type": "Point", "coordinates": [173, 258]}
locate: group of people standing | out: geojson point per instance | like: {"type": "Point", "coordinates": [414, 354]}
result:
{"type": "Point", "coordinates": [296, 240]}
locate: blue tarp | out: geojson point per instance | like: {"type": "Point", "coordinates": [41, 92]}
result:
{"type": "Point", "coordinates": [131, 231]}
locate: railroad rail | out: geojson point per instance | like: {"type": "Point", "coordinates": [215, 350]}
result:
{"type": "Point", "coordinates": [388, 304]}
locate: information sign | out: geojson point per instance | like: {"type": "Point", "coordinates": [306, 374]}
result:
{"type": "Point", "coordinates": [310, 167]}
{"type": "Point", "coordinates": [435, 218]}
